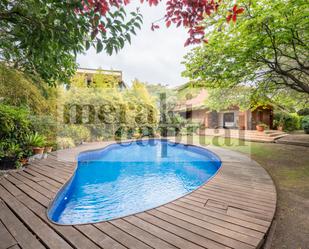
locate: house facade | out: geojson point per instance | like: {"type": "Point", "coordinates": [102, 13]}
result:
{"type": "Point", "coordinates": [89, 75]}
{"type": "Point", "coordinates": [232, 118]}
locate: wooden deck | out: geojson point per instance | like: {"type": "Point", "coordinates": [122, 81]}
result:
{"type": "Point", "coordinates": [233, 210]}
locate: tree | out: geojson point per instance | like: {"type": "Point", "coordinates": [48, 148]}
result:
{"type": "Point", "coordinates": [19, 90]}
{"type": "Point", "coordinates": [267, 49]}
{"type": "Point", "coordinates": [43, 37]}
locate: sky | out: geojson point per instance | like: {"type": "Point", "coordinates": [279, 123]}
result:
{"type": "Point", "coordinates": [153, 56]}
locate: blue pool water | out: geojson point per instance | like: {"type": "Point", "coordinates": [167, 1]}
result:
{"type": "Point", "coordinates": [124, 179]}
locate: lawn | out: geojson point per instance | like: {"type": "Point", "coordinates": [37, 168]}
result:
{"type": "Point", "coordinates": [288, 165]}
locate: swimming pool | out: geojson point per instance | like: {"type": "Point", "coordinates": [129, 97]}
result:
{"type": "Point", "coordinates": [127, 178]}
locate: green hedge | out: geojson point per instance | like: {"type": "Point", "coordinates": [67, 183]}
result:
{"type": "Point", "coordinates": [289, 121]}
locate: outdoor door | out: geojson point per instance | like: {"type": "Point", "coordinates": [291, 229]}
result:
{"type": "Point", "coordinates": [228, 120]}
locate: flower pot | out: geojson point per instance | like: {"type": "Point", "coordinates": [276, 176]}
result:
{"type": "Point", "coordinates": [136, 135]}
{"type": "Point", "coordinates": [7, 163]}
{"type": "Point", "coordinates": [48, 149]}
{"type": "Point", "coordinates": [260, 128]}
{"type": "Point", "coordinates": [38, 150]}
{"type": "Point", "coordinates": [23, 161]}
{"type": "Point", "coordinates": [157, 134]}
{"type": "Point", "coordinates": [280, 128]}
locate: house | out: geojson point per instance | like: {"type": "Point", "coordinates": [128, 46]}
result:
{"type": "Point", "coordinates": [89, 75]}
{"type": "Point", "coordinates": [233, 118]}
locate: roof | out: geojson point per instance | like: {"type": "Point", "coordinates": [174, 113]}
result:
{"type": "Point", "coordinates": [197, 102]}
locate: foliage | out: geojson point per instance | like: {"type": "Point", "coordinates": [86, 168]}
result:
{"type": "Point", "coordinates": [289, 121]}
{"type": "Point", "coordinates": [261, 124]}
{"type": "Point", "coordinates": [78, 133]}
{"type": "Point", "coordinates": [171, 124]}
{"type": "Point", "coordinates": [65, 143]}
{"type": "Point", "coordinates": [266, 49]}
{"type": "Point", "coordinates": [34, 140]}
{"type": "Point", "coordinates": [165, 98]}
{"type": "Point", "coordinates": [14, 123]}
{"type": "Point", "coordinates": [107, 112]}
{"type": "Point", "coordinates": [18, 89]}
{"type": "Point", "coordinates": [14, 126]}
{"type": "Point", "coordinates": [44, 37]}
{"type": "Point", "coordinates": [103, 80]}
{"type": "Point", "coordinates": [303, 112]}
{"type": "Point", "coordinates": [305, 124]}
{"type": "Point", "coordinates": [11, 154]}
{"type": "Point", "coordinates": [45, 125]}
{"type": "Point", "coordinates": [190, 129]}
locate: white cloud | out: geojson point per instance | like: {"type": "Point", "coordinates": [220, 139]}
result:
{"type": "Point", "coordinates": [154, 57]}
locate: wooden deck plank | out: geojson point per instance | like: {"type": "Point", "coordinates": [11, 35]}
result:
{"type": "Point", "coordinates": [121, 236]}
{"type": "Point", "coordinates": [34, 185]}
{"type": "Point", "coordinates": [53, 172]}
{"type": "Point", "coordinates": [39, 181]}
{"type": "Point", "coordinates": [230, 202]}
{"type": "Point", "coordinates": [212, 237]}
{"type": "Point", "coordinates": [49, 175]}
{"type": "Point", "coordinates": [217, 229]}
{"type": "Point", "coordinates": [41, 229]}
{"type": "Point", "coordinates": [7, 239]}
{"type": "Point", "coordinates": [71, 235]}
{"type": "Point", "coordinates": [234, 192]}
{"type": "Point", "coordinates": [99, 237]}
{"type": "Point", "coordinates": [32, 193]}
{"type": "Point", "coordinates": [161, 233]}
{"type": "Point", "coordinates": [234, 201]}
{"type": "Point", "coordinates": [142, 235]}
{"type": "Point", "coordinates": [43, 177]}
{"type": "Point", "coordinates": [240, 197]}
{"type": "Point", "coordinates": [224, 217]}
{"type": "Point", "coordinates": [217, 222]}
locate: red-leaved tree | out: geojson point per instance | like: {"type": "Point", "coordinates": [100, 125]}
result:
{"type": "Point", "coordinates": [186, 13]}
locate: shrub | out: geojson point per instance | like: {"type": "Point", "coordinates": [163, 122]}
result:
{"type": "Point", "coordinates": [65, 143]}
{"type": "Point", "coordinates": [105, 110]}
{"type": "Point", "coordinates": [14, 123]}
{"type": "Point", "coordinates": [289, 121]}
{"type": "Point", "coordinates": [10, 155]}
{"type": "Point", "coordinates": [305, 124]}
{"type": "Point", "coordinates": [190, 129]}
{"type": "Point", "coordinates": [292, 122]}
{"type": "Point", "coordinates": [14, 126]}
{"type": "Point", "coordinates": [44, 125]}
{"type": "Point", "coordinates": [147, 131]}
{"type": "Point", "coordinates": [78, 133]}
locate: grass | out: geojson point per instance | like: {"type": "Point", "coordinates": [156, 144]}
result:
{"type": "Point", "coordinates": [288, 165]}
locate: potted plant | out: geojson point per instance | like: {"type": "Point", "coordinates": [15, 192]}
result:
{"type": "Point", "coordinates": [10, 155]}
{"type": "Point", "coordinates": [280, 124]}
{"type": "Point", "coordinates": [49, 147]}
{"type": "Point", "coordinates": [36, 142]}
{"type": "Point", "coordinates": [136, 134]}
{"type": "Point", "coordinates": [261, 127]}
